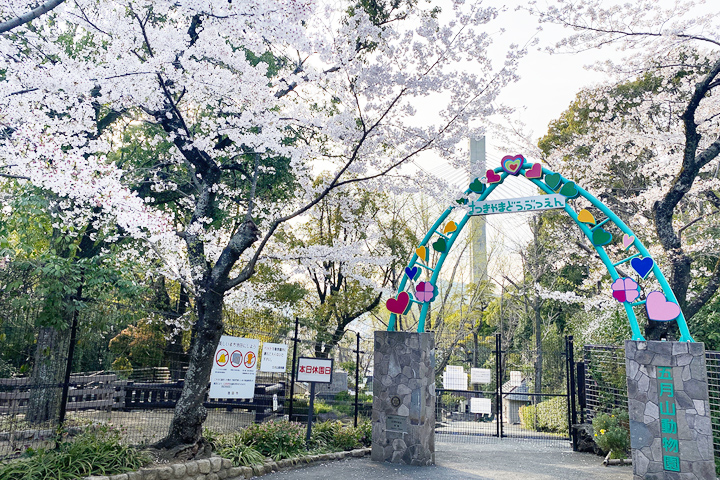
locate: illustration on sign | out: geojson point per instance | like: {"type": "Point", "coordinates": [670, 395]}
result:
{"type": "Point", "coordinates": [233, 374]}
{"type": "Point", "coordinates": [523, 204]}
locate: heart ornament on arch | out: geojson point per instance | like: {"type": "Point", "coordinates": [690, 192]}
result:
{"type": "Point", "coordinates": [412, 272]}
{"type": "Point", "coordinates": [492, 177]}
{"type": "Point", "coordinates": [399, 305]}
{"type": "Point", "coordinates": [535, 171]}
{"type": "Point", "coordinates": [425, 292]}
{"type": "Point", "coordinates": [512, 164]}
{"type": "Point", "coordinates": [660, 308]}
{"type": "Point", "coordinates": [422, 253]}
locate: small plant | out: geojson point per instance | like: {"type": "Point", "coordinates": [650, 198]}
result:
{"type": "Point", "coordinates": [276, 439]}
{"type": "Point", "coordinates": [323, 434]}
{"type": "Point", "coordinates": [97, 451]}
{"type": "Point", "coordinates": [612, 433]}
{"type": "Point", "coordinates": [234, 449]}
{"type": "Point", "coordinates": [364, 433]}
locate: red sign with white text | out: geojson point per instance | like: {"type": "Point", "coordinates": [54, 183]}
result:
{"type": "Point", "coordinates": [315, 370]}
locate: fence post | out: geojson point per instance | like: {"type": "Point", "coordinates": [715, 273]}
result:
{"type": "Point", "coordinates": [498, 385]}
{"type": "Point", "coordinates": [582, 403]}
{"type": "Point", "coordinates": [292, 373]}
{"type": "Point", "coordinates": [68, 368]}
{"type": "Point", "coordinates": [571, 392]}
{"type": "Point", "coordinates": [357, 376]}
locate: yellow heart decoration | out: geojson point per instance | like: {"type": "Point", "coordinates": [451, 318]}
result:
{"type": "Point", "coordinates": [422, 252]}
{"type": "Point", "coordinates": [584, 216]}
{"type": "Point", "coordinates": [450, 227]}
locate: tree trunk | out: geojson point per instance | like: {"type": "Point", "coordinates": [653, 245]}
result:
{"type": "Point", "coordinates": [186, 426]}
{"type": "Point", "coordinates": [48, 375]}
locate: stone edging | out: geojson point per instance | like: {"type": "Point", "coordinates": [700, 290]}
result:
{"type": "Point", "coordinates": [218, 468]}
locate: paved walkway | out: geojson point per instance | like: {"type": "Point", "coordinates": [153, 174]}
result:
{"type": "Point", "coordinates": [506, 460]}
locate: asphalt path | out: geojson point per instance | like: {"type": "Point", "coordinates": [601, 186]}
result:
{"type": "Point", "coordinates": [499, 460]}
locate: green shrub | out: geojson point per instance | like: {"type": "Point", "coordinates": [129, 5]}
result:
{"type": "Point", "coordinates": [612, 433]}
{"type": "Point", "coordinates": [323, 434]}
{"type": "Point", "coordinates": [547, 416]}
{"type": "Point", "coordinates": [364, 433]}
{"type": "Point", "coordinates": [97, 451]}
{"type": "Point", "coordinates": [236, 450]}
{"type": "Point", "coordinates": [276, 439]}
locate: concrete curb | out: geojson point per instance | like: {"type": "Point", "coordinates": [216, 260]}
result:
{"type": "Point", "coordinates": [218, 468]}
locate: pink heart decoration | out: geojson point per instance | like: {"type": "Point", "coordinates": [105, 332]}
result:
{"type": "Point", "coordinates": [512, 164]}
{"type": "Point", "coordinates": [625, 290]}
{"type": "Point", "coordinates": [534, 172]}
{"type": "Point", "coordinates": [400, 304]}
{"type": "Point", "coordinates": [424, 291]}
{"type": "Point", "coordinates": [492, 177]}
{"type": "Point", "coordinates": [661, 309]}
{"type": "Point", "coordinates": [628, 240]}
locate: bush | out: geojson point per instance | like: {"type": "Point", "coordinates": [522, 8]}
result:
{"type": "Point", "coordinates": [97, 451]}
{"type": "Point", "coordinates": [364, 433]}
{"type": "Point", "coordinates": [547, 416]}
{"type": "Point", "coordinates": [236, 450]}
{"type": "Point", "coordinates": [612, 433]}
{"type": "Point", "coordinates": [276, 439]}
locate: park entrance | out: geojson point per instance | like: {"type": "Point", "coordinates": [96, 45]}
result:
{"type": "Point", "coordinates": [531, 395]}
{"type": "Point", "coordinates": [512, 408]}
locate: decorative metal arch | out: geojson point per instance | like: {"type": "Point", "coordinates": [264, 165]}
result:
{"type": "Point", "coordinates": [551, 183]}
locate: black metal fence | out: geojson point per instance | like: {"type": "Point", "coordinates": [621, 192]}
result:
{"type": "Point", "coordinates": [527, 392]}
{"type": "Point", "coordinates": [606, 388]}
{"type": "Point", "coordinates": [36, 398]}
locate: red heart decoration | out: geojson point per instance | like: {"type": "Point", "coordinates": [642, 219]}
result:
{"type": "Point", "coordinates": [492, 177]}
{"type": "Point", "coordinates": [398, 305]}
{"type": "Point", "coordinates": [534, 172]}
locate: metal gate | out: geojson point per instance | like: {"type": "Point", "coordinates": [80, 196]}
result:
{"type": "Point", "coordinates": [530, 402]}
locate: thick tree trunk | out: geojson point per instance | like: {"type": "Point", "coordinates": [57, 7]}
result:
{"type": "Point", "coordinates": [186, 426]}
{"type": "Point", "coordinates": [48, 375]}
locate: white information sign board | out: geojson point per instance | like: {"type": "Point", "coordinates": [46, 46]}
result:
{"type": "Point", "coordinates": [515, 379]}
{"type": "Point", "coordinates": [522, 204]}
{"type": "Point", "coordinates": [480, 375]}
{"type": "Point", "coordinates": [481, 405]}
{"type": "Point", "coordinates": [455, 378]}
{"type": "Point", "coordinates": [315, 370]}
{"type": "Point", "coordinates": [233, 371]}
{"type": "Point", "coordinates": [274, 357]}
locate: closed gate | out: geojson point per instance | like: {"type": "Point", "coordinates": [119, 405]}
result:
{"type": "Point", "coordinates": [530, 402]}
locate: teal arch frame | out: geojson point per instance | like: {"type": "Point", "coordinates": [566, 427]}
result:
{"type": "Point", "coordinates": [587, 230]}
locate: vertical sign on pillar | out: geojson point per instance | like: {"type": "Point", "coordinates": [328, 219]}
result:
{"type": "Point", "coordinates": [668, 419]}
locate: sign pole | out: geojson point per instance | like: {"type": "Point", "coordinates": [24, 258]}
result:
{"type": "Point", "coordinates": [357, 376]}
{"type": "Point", "coordinates": [310, 412]}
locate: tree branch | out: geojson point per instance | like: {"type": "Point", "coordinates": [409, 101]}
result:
{"type": "Point", "coordinates": [30, 16]}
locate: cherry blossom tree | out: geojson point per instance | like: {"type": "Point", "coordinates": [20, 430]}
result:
{"type": "Point", "coordinates": [649, 142]}
{"type": "Point", "coordinates": [242, 103]}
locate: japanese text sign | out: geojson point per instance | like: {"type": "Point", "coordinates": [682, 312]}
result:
{"type": "Point", "coordinates": [274, 357]}
{"type": "Point", "coordinates": [668, 419]}
{"type": "Point", "coordinates": [315, 370]}
{"type": "Point", "coordinates": [233, 371]}
{"type": "Point", "coordinates": [480, 375]}
{"type": "Point", "coordinates": [513, 205]}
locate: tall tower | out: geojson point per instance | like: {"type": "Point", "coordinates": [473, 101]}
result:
{"type": "Point", "coordinates": [477, 223]}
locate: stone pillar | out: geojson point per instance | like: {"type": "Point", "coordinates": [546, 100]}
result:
{"type": "Point", "coordinates": [670, 427]}
{"type": "Point", "coordinates": [403, 414]}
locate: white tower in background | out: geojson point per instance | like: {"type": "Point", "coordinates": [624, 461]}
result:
{"type": "Point", "coordinates": [478, 235]}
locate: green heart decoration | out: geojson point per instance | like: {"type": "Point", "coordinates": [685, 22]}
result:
{"type": "Point", "coordinates": [569, 190]}
{"type": "Point", "coordinates": [440, 245]}
{"type": "Point", "coordinates": [553, 180]}
{"type": "Point", "coordinates": [600, 237]}
{"type": "Point", "coordinates": [477, 186]}
{"type": "Point", "coordinates": [462, 201]}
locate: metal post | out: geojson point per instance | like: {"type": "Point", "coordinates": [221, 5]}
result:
{"type": "Point", "coordinates": [498, 385]}
{"type": "Point", "coordinates": [310, 413]}
{"type": "Point", "coordinates": [582, 402]}
{"type": "Point", "coordinates": [573, 406]}
{"type": "Point", "coordinates": [357, 376]}
{"type": "Point", "coordinates": [292, 373]}
{"type": "Point", "coordinates": [68, 367]}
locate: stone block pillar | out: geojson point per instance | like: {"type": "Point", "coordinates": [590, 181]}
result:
{"type": "Point", "coordinates": [670, 428]}
{"type": "Point", "coordinates": [403, 414]}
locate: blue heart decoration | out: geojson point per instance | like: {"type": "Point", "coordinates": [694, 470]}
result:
{"type": "Point", "coordinates": [643, 266]}
{"type": "Point", "coordinates": [412, 273]}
